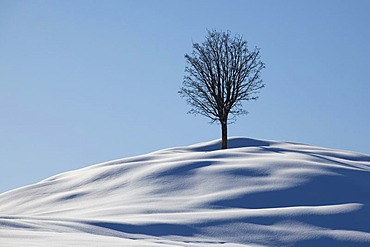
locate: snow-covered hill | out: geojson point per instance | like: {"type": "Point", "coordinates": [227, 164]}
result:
{"type": "Point", "coordinates": [257, 193]}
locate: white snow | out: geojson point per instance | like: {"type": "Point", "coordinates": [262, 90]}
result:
{"type": "Point", "coordinates": [256, 193]}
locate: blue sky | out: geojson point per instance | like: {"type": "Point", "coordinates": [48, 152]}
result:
{"type": "Point", "coordinates": [84, 82]}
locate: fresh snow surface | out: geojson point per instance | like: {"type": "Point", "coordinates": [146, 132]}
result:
{"type": "Point", "coordinates": [257, 193]}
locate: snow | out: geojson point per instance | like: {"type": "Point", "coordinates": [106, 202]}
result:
{"type": "Point", "coordinates": [256, 193]}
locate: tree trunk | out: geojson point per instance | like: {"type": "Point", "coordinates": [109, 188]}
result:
{"type": "Point", "coordinates": [224, 134]}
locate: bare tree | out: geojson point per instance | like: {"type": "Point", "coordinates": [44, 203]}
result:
{"type": "Point", "coordinates": [221, 73]}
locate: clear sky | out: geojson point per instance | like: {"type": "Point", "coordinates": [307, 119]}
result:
{"type": "Point", "coordinates": [82, 82]}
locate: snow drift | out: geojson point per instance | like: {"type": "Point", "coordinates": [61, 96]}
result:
{"type": "Point", "coordinates": [257, 193]}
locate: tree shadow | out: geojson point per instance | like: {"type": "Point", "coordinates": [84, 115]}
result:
{"type": "Point", "coordinates": [234, 142]}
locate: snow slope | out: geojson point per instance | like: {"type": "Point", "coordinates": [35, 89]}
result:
{"type": "Point", "coordinates": [257, 193]}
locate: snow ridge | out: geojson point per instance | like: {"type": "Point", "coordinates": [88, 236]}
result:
{"type": "Point", "coordinates": [257, 193]}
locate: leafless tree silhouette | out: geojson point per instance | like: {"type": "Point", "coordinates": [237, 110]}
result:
{"type": "Point", "coordinates": [221, 73]}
